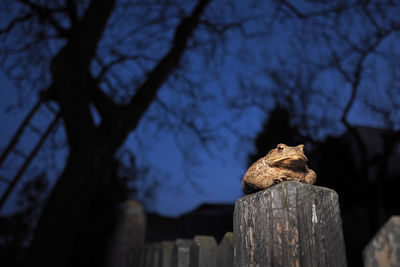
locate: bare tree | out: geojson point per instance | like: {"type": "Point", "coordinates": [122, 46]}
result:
{"type": "Point", "coordinates": [66, 36]}
{"type": "Point", "coordinates": [104, 63]}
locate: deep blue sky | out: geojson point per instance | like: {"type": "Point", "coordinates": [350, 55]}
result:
{"type": "Point", "coordinates": [217, 178]}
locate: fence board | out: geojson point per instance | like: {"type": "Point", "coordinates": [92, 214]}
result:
{"type": "Point", "coordinates": [181, 253]}
{"type": "Point", "coordinates": [153, 254]}
{"type": "Point", "coordinates": [134, 257]}
{"type": "Point", "coordinates": [167, 248]}
{"type": "Point", "coordinates": [225, 251]}
{"type": "Point", "coordinates": [384, 248]}
{"type": "Point", "coordinates": [129, 233]}
{"type": "Point", "coordinates": [203, 252]}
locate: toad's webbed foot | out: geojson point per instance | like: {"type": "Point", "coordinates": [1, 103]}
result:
{"type": "Point", "coordinates": [280, 180]}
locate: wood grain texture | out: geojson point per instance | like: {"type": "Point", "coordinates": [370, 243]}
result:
{"type": "Point", "coordinates": [289, 224]}
{"type": "Point", "coordinates": [384, 249]}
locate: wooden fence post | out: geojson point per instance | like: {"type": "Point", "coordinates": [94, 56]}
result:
{"type": "Point", "coordinates": [129, 234]}
{"type": "Point", "coordinates": [384, 248]}
{"type": "Point", "coordinates": [153, 255]}
{"type": "Point", "coordinates": [289, 224]}
{"type": "Point", "coordinates": [167, 248]}
{"type": "Point", "coordinates": [203, 252]}
{"type": "Point", "coordinates": [181, 253]}
{"type": "Point", "coordinates": [225, 251]}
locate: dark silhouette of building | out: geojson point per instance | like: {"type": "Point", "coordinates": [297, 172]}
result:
{"type": "Point", "coordinates": [208, 219]}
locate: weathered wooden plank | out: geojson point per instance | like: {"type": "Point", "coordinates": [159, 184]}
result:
{"type": "Point", "coordinates": [225, 251]}
{"type": "Point", "coordinates": [148, 256]}
{"type": "Point", "coordinates": [384, 248]}
{"type": "Point", "coordinates": [181, 253]}
{"type": "Point", "coordinates": [129, 233]}
{"type": "Point", "coordinates": [153, 255]}
{"type": "Point", "coordinates": [203, 252]}
{"type": "Point", "coordinates": [158, 255]}
{"type": "Point", "coordinates": [134, 257]}
{"type": "Point", "coordinates": [167, 248]}
{"type": "Point", "coordinates": [289, 224]}
{"type": "Point", "coordinates": [142, 256]}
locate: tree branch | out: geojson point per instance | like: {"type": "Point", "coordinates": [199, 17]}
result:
{"type": "Point", "coordinates": [103, 103]}
{"type": "Point", "coordinates": [336, 9]}
{"type": "Point", "coordinates": [72, 12]}
{"type": "Point", "coordinates": [44, 13]}
{"type": "Point", "coordinates": [120, 58]}
{"type": "Point", "coordinates": [14, 22]}
{"type": "Point", "coordinates": [146, 93]}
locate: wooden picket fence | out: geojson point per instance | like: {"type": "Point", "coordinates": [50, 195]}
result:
{"type": "Point", "coordinates": [200, 251]}
{"type": "Point", "coordinates": [290, 224]}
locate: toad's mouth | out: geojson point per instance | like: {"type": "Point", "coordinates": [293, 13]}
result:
{"type": "Point", "coordinates": [291, 162]}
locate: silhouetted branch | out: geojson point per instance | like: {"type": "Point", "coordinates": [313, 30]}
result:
{"type": "Point", "coordinates": [14, 22]}
{"type": "Point", "coordinates": [45, 13]}
{"type": "Point", "coordinates": [146, 93]}
{"type": "Point", "coordinates": [103, 103]}
{"type": "Point", "coordinates": [120, 58]}
{"type": "Point", "coordinates": [337, 8]}
{"type": "Point", "coordinates": [72, 12]}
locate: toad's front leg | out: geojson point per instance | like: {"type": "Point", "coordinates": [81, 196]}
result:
{"type": "Point", "coordinates": [281, 179]}
{"type": "Point", "coordinates": [256, 180]}
{"type": "Point", "coordinates": [310, 177]}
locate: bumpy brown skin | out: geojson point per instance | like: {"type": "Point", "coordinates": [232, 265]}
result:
{"type": "Point", "coordinates": [280, 164]}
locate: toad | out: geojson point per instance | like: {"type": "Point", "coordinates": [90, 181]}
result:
{"type": "Point", "coordinates": [282, 163]}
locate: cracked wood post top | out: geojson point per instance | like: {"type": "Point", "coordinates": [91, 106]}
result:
{"type": "Point", "coordinates": [289, 224]}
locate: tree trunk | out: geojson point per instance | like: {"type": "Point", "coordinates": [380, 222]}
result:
{"type": "Point", "coordinates": [70, 231]}
{"type": "Point", "coordinates": [64, 234]}
{"type": "Point", "coordinates": [289, 224]}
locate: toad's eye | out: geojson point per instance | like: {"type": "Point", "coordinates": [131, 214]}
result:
{"type": "Point", "coordinates": [280, 148]}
